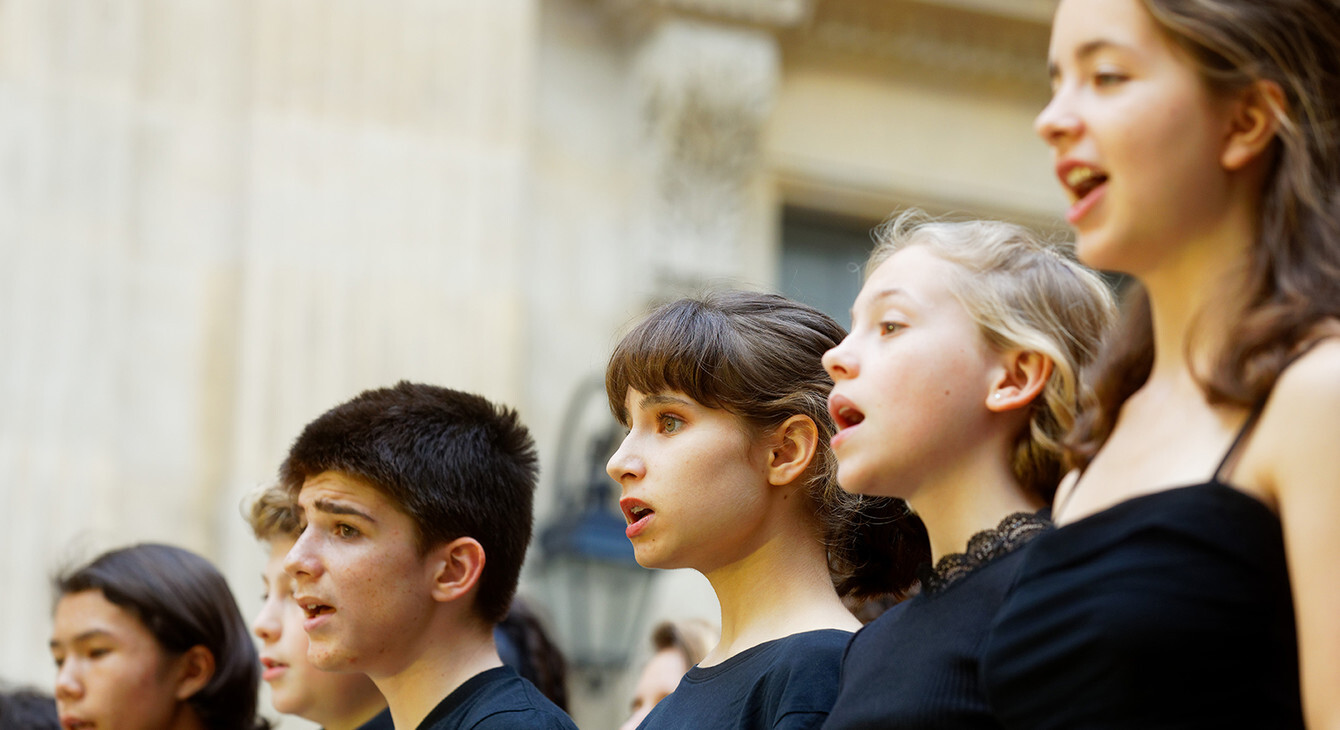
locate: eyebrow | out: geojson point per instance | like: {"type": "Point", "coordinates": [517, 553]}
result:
{"type": "Point", "coordinates": [79, 638]}
{"type": "Point", "coordinates": [337, 508]}
{"type": "Point", "coordinates": [1083, 53]}
{"type": "Point", "coordinates": [661, 399]}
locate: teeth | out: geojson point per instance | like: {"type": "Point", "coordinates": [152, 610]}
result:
{"type": "Point", "coordinates": [1078, 176]}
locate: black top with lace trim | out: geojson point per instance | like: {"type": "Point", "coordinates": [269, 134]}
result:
{"type": "Point", "coordinates": [1012, 533]}
{"type": "Point", "coordinates": [928, 647]}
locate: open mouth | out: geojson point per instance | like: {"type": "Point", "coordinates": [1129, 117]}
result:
{"type": "Point", "coordinates": [74, 723]}
{"type": "Point", "coordinates": [636, 512]}
{"type": "Point", "coordinates": [845, 413]}
{"type": "Point", "coordinates": [272, 669]}
{"type": "Point", "coordinates": [314, 609]}
{"type": "Point", "coordinates": [1082, 180]}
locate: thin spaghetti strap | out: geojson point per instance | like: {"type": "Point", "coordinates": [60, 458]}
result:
{"type": "Point", "coordinates": [1255, 415]}
{"type": "Point", "coordinates": [1247, 427]}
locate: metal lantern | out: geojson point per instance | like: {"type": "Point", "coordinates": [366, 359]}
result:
{"type": "Point", "coordinates": [597, 592]}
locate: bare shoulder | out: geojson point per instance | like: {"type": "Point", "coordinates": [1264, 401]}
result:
{"type": "Point", "coordinates": [1301, 421]}
{"type": "Point", "coordinates": [1311, 385]}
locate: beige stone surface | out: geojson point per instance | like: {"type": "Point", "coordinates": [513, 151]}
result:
{"type": "Point", "coordinates": [219, 218]}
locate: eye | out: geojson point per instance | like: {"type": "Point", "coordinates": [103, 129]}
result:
{"type": "Point", "coordinates": [1108, 78]}
{"type": "Point", "coordinates": [58, 660]}
{"type": "Point", "coordinates": [889, 328]}
{"type": "Point", "coordinates": [344, 529]}
{"type": "Point", "coordinates": [671, 424]}
{"type": "Point", "coordinates": [99, 651]}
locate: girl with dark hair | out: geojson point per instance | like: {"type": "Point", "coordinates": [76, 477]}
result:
{"type": "Point", "coordinates": [727, 469]}
{"type": "Point", "coordinates": [952, 392]}
{"type": "Point", "coordinates": [1196, 565]}
{"type": "Point", "coordinates": [149, 637]}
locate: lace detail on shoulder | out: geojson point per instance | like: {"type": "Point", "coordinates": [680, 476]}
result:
{"type": "Point", "coordinates": [1012, 533]}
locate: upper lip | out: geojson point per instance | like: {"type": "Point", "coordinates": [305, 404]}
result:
{"type": "Point", "coordinates": [270, 663]}
{"type": "Point", "coordinates": [629, 504]}
{"type": "Point", "coordinates": [71, 721]}
{"type": "Point", "coordinates": [1078, 177]}
{"type": "Point", "coordinates": [307, 603]}
{"type": "Point", "coordinates": [844, 411]}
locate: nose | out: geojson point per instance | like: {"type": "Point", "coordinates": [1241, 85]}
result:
{"type": "Point", "coordinates": [68, 684]}
{"type": "Point", "coordinates": [839, 361]}
{"type": "Point", "coordinates": [625, 464]}
{"type": "Point", "coordinates": [267, 627]}
{"type": "Point", "coordinates": [302, 560]}
{"type": "Point", "coordinates": [1058, 121]}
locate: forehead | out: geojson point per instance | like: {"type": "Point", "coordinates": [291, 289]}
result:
{"type": "Point", "coordinates": [1086, 25]}
{"type": "Point", "coordinates": [340, 487]}
{"type": "Point", "coordinates": [80, 613]}
{"type": "Point", "coordinates": [914, 275]}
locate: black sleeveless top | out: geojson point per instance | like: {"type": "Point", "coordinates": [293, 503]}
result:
{"type": "Point", "coordinates": [1167, 610]}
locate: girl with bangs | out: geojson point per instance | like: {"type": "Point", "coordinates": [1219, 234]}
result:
{"type": "Point", "coordinates": [727, 469]}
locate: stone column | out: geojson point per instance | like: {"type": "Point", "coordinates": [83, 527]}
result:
{"type": "Point", "coordinates": [707, 91]}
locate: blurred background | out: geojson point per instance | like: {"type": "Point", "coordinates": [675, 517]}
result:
{"type": "Point", "coordinates": [219, 218]}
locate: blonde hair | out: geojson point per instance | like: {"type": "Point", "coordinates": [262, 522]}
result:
{"type": "Point", "coordinates": [271, 513]}
{"type": "Point", "coordinates": [1024, 293]}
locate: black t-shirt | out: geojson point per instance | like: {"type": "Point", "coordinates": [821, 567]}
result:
{"type": "Point", "coordinates": [381, 721]}
{"type": "Point", "coordinates": [785, 684]}
{"type": "Point", "coordinates": [496, 699]}
{"type": "Point", "coordinates": [917, 665]}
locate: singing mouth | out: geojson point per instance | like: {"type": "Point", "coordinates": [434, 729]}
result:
{"type": "Point", "coordinates": [634, 511]}
{"type": "Point", "coordinates": [1081, 179]}
{"type": "Point", "coordinates": [315, 608]}
{"type": "Point", "coordinates": [845, 413]}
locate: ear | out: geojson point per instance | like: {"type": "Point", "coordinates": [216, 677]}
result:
{"type": "Point", "coordinates": [1022, 377]}
{"type": "Point", "coordinates": [1256, 118]}
{"type": "Point", "coordinates": [795, 442]}
{"type": "Point", "coordinates": [195, 668]}
{"type": "Point", "coordinates": [457, 566]}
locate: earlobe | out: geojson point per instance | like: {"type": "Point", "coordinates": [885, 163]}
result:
{"type": "Point", "coordinates": [797, 440]}
{"type": "Point", "coordinates": [197, 668]}
{"type": "Point", "coordinates": [457, 567]}
{"type": "Point", "coordinates": [1023, 376]}
{"type": "Point", "coordinates": [1256, 120]}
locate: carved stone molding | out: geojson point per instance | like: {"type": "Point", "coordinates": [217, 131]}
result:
{"type": "Point", "coordinates": [707, 91]}
{"type": "Point", "coordinates": [980, 40]}
{"type": "Point", "coordinates": [774, 13]}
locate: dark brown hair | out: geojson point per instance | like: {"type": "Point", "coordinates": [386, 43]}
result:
{"type": "Point", "coordinates": [1292, 274]}
{"type": "Point", "coordinates": [759, 357]}
{"type": "Point", "coordinates": [456, 464]}
{"type": "Point", "coordinates": [184, 601]}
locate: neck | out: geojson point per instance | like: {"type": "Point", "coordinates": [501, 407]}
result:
{"type": "Point", "coordinates": [186, 718]}
{"type": "Point", "coordinates": [1192, 296]}
{"type": "Point", "coordinates": [358, 716]}
{"type": "Point", "coordinates": [975, 496]}
{"type": "Point", "coordinates": [783, 587]}
{"type": "Point", "coordinates": [438, 668]}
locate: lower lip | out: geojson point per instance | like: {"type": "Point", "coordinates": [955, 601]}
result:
{"type": "Point", "coordinates": [272, 673]}
{"type": "Point", "coordinates": [315, 622]}
{"type": "Point", "coordinates": [1085, 204]}
{"type": "Point", "coordinates": [841, 436]}
{"type": "Point", "coordinates": [636, 528]}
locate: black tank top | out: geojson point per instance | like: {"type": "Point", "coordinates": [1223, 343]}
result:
{"type": "Point", "coordinates": [1167, 610]}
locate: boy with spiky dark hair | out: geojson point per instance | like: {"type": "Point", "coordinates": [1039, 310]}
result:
{"type": "Point", "coordinates": [417, 509]}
